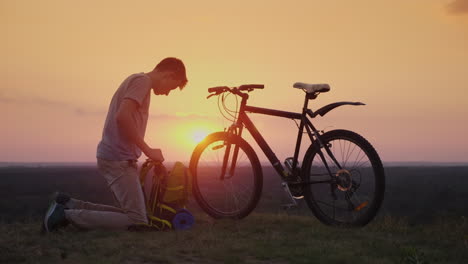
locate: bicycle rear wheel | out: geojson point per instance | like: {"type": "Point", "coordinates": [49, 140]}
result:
{"type": "Point", "coordinates": [234, 193]}
{"type": "Point", "coordinates": [352, 194]}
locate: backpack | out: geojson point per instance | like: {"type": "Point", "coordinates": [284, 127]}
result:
{"type": "Point", "coordinates": [166, 195]}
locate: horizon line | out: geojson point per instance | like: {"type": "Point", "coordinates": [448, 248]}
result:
{"type": "Point", "coordinates": [263, 163]}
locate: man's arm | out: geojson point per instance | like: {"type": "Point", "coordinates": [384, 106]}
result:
{"type": "Point", "coordinates": [128, 126]}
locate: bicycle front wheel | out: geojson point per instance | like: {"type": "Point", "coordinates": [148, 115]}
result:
{"type": "Point", "coordinates": [227, 176]}
{"type": "Point", "coordinates": [348, 194]}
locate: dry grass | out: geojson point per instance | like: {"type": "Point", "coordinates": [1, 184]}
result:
{"type": "Point", "coordinates": [260, 238]}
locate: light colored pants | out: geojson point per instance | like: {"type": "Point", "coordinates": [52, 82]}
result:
{"type": "Point", "coordinates": [123, 179]}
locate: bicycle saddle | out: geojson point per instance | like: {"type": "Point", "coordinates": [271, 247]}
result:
{"type": "Point", "coordinates": [312, 88]}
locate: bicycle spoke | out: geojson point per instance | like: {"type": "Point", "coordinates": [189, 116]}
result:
{"type": "Point", "coordinates": [360, 159]}
{"type": "Point", "coordinates": [349, 154]}
{"type": "Point", "coordinates": [342, 151]}
{"type": "Point", "coordinates": [236, 199]}
{"type": "Point", "coordinates": [361, 165]}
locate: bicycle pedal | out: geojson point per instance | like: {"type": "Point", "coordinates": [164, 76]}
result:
{"type": "Point", "coordinates": [288, 193]}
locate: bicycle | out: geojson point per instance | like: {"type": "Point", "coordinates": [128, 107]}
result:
{"type": "Point", "coordinates": [341, 177]}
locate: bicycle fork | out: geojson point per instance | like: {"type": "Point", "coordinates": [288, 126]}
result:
{"type": "Point", "coordinates": [227, 152]}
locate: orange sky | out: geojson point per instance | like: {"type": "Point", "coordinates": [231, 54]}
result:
{"type": "Point", "coordinates": [407, 60]}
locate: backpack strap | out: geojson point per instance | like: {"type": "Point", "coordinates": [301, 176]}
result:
{"type": "Point", "coordinates": [180, 187]}
{"type": "Point", "coordinates": [157, 192]}
{"type": "Point", "coordinates": [159, 223]}
{"type": "Point", "coordinates": [170, 209]}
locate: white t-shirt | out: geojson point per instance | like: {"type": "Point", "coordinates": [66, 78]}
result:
{"type": "Point", "coordinates": [114, 145]}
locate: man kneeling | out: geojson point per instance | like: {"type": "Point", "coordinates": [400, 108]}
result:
{"type": "Point", "coordinates": [117, 154]}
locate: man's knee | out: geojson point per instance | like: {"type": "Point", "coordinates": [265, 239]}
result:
{"type": "Point", "coordinates": [138, 218]}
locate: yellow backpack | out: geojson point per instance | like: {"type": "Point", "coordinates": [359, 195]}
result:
{"type": "Point", "coordinates": [166, 195]}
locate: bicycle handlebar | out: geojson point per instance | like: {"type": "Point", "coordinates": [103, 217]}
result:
{"type": "Point", "coordinates": [217, 89]}
{"type": "Point", "coordinates": [251, 86]}
{"type": "Point", "coordinates": [245, 87]}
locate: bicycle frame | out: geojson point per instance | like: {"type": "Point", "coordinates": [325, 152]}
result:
{"type": "Point", "coordinates": [244, 120]}
{"type": "Point", "coordinates": [331, 188]}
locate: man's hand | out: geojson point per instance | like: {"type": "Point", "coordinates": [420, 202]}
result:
{"type": "Point", "coordinates": [155, 154]}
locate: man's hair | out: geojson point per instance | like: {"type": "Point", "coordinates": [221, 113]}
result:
{"type": "Point", "coordinates": [176, 66]}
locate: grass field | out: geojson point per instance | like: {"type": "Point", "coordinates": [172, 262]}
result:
{"type": "Point", "coordinates": [260, 238]}
{"type": "Point", "coordinates": [423, 220]}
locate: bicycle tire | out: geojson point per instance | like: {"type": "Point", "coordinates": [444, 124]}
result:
{"type": "Point", "coordinates": [206, 182]}
{"type": "Point", "coordinates": [352, 210]}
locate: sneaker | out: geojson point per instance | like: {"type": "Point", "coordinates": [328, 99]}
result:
{"type": "Point", "coordinates": [54, 218]}
{"type": "Point", "coordinates": [61, 198]}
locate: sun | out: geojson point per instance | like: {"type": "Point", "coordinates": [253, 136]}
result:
{"type": "Point", "coordinates": [188, 135]}
{"type": "Point", "coordinates": [199, 134]}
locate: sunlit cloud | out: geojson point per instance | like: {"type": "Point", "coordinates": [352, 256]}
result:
{"type": "Point", "coordinates": [82, 111]}
{"type": "Point", "coordinates": [180, 116]}
{"type": "Point", "coordinates": [458, 7]}
{"type": "Point", "coordinates": [5, 100]}
{"type": "Point", "coordinates": [43, 102]}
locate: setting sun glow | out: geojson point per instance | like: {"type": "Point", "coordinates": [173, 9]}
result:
{"type": "Point", "coordinates": [190, 134]}
{"type": "Point", "coordinates": [199, 134]}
